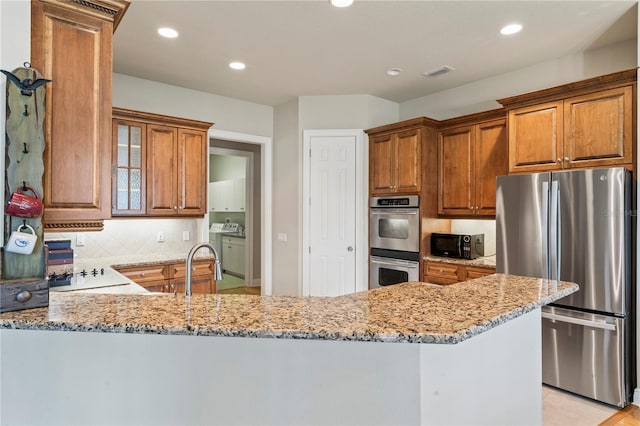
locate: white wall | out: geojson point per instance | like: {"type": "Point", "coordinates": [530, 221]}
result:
{"type": "Point", "coordinates": [225, 167]}
{"type": "Point", "coordinates": [346, 112]}
{"type": "Point", "coordinates": [228, 114]}
{"type": "Point", "coordinates": [309, 113]}
{"type": "Point", "coordinates": [481, 95]}
{"type": "Point", "coordinates": [15, 49]}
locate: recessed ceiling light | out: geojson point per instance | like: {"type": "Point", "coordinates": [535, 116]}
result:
{"type": "Point", "coordinates": [237, 65]}
{"type": "Point", "coordinates": [168, 32]}
{"type": "Point", "coordinates": [341, 3]}
{"type": "Point", "coordinates": [394, 71]}
{"type": "Point", "coordinates": [511, 29]}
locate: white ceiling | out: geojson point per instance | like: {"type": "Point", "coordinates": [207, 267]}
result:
{"type": "Point", "coordinates": [298, 48]}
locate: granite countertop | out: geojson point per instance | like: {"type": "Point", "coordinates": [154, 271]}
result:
{"type": "Point", "coordinates": [485, 262]}
{"type": "Point", "coordinates": [409, 312]}
{"type": "Point", "coordinates": [146, 260]}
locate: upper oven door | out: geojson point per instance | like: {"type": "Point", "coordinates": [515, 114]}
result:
{"type": "Point", "coordinates": [395, 229]}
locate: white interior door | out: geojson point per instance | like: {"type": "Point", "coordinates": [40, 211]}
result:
{"type": "Point", "coordinates": [332, 215]}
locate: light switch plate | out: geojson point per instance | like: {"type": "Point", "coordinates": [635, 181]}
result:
{"type": "Point", "coordinates": [80, 240]}
{"type": "Point", "coordinates": [185, 236]}
{"type": "Point", "coordinates": [282, 237]}
{"type": "Point", "coordinates": [160, 237]}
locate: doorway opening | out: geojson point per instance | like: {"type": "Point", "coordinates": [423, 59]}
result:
{"type": "Point", "coordinates": [239, 199]}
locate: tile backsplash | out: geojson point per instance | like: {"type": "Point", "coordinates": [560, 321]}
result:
{"type": "Point", "coordinates": [133, 237]}
{"type": "Point", "coordinates": [486, 227]}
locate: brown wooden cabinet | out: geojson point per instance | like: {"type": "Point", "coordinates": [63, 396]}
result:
{"type": "Point", "coordinates": [451, 273]}
{"type": "Point", "coordinates": [171, 277]}
{"type": "Point", "coordinates": [472, 151]}
{"type": "Point", "coordinates": [71, 44]}
{"type": "Point", "coordinates": [173, 177]}
{"type": "Point", "coordinates": [202, 276]}
{"type": "Point", "coordinates": [395, 157]}
{"type": "Point", "coordinates": [152, 277]}
{"type": "Point", "coordinates": [581, 125]}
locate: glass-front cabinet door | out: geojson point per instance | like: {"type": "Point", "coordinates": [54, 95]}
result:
{"type": "Point", "coordinates": [128, 170]}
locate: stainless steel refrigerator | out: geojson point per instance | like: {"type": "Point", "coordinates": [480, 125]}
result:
{"type": "Point", "coordinates": [575, 226]}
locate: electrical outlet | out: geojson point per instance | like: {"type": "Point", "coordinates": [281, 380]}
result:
{"type": "Point", "coordinates": [80, 240]}
{"type": "Point", "coordinates": [185, 236]}
{"type": "Point", "coordinates": [160, 237]}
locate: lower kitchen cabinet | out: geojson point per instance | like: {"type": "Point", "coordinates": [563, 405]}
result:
{"type": "Point", "coordinates": [233, 257]}
{"type": "Point", "coordinates": [202, 276]}
{"type": "Point", "coordinates": [450, 273]}
{"type": "Point", "coordinates": [171, 277]}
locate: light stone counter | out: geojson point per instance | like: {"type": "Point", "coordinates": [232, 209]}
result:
{"type": "Point", "coordinates": [487, 261]}
{"type": "Point", "coordinates": [145, 359]}
{"type": "Point", "coordinates": [410, 312]}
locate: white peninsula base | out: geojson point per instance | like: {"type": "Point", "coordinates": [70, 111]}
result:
{"type": "Point", "coordinates": [62, 377]}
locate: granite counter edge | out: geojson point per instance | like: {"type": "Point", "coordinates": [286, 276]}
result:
{"type": "Point", "coordinates": [392, 337]}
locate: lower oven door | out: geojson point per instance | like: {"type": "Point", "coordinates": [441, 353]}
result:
{"type": "Point", "coordinates": [385, 271]}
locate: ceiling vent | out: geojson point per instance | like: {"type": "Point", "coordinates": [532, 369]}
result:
{"type": "Point", "coordinates": [438, 71]}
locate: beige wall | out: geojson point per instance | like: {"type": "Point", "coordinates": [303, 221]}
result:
{"type": "Point", "coordinates": [481, 95]}
{"type": "Point", "coordinates": [228, 114]}
{"type": "Point", "coordinates": [15, 45]}
{"type": "Point", "coordinates": [308, 113]}
{"type": "Point", "coordinates": [286, 205]}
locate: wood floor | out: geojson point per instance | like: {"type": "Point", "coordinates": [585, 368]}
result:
{"type": "Point", "coordinates": [629, 416]}
{"type": "Point", "coordinates": [241, 290]}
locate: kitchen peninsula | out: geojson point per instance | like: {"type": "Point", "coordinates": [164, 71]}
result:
{"type": "Point", "coordinates": [412, 353]}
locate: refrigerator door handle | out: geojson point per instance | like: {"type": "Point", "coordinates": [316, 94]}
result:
{"type": "Point", "coordinates": [554, 231]}
{"type": "Point", "coordinates": [594, 324]}
{"type": "Point", "coordinates": [545, 229]}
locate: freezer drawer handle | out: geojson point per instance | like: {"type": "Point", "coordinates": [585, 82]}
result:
{"type": "Point", "coordinates": [578, 321]}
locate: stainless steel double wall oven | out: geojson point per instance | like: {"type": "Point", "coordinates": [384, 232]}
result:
{"type": "Point", "coordinates": [394, 240]}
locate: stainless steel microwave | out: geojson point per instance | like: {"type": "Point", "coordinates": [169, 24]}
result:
{"type": "Point", "coordinates": [457, 246]}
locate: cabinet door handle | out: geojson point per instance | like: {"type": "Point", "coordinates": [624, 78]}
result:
{"type": "Point", "coordinates": [142, 274]}
{"type": "Point", "coordinates": [166, 288]}
{"type": "Point", "coordinates": [24, 296]}
{"type": "Point", "coordinates": [566, 159]}
{"type": "Point", "coordinates": [558, 160]}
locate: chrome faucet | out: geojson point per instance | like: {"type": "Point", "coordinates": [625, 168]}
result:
{"type": "Point", "coordinates": [216, 259]}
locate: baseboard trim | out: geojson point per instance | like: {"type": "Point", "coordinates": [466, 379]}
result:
{"type": "Point", "coordinates": [636, 397]}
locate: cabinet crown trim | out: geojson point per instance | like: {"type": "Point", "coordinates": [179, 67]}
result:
{"type": "Point", "coordinates": [472, 119]}
{"type": "Point", "coordinates": [106, 10]}
{"type": "Point", "coordinates": [603, 82]}
{"type": "Point", "coordinates": [403, 125]}
{"type": "Point", "coordinates": [159, 119]}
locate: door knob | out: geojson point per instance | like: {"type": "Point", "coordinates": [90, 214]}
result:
{"type": "Point", "coordinates": [350, 248]}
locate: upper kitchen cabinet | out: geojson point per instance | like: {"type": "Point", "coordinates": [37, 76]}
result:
{"type": "Point", "coordinates": [395, 157]}
{"type": "Point", "coordinates": [71, 44]}
{"type": "Point", "coordinates": [472, 151]}
{"type": "Point", "coordinates": [580, 125]}
{"type": "Point", "coordinates": [160, 165]}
